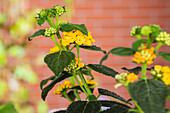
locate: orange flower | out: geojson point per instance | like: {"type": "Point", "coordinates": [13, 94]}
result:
{"type": "Point", "coordinates": [131, 77]}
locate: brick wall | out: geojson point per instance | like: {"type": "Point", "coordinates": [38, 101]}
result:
{"type": "Point", "coordinates": [110, 22]}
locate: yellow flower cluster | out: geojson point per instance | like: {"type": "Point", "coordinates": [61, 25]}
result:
{"type": "Point", "coordinates": [131, 77]}
{"type": "Point", "coordinates": [77, 37]}
{"type": "Point", "coordinates": [80, 65]}
{"type": "Point", "coordinates": [90, 82]}
{"type": "Point", "coordinates": [164, 37]}
{"type": "Point", "coordinates": [144, 56]}
{"type": "Point", "coordinates": [54, 49]}
{"type": "Point", "coordinates": [63, 87]}
{"type": "Point", "coordinates": [162, 72]}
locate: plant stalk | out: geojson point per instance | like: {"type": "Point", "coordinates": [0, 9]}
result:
{"type": "Point", "coordinates": [158, 46]}
{"type": "Point", "coordinates": [75, 90]}
{"type": "Point", "coordinates": [84, 83]}
{"type": "Point", "coordinates": [54, 40]}
{"type": "Point", "coordinates": [74, 74]}
{"type": "Point", "coordinates": [144, 68]}
{"type": "Point", "coordinates": [65, 94]}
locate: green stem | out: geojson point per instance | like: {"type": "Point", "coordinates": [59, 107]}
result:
{"type": "Point", "coordinates": [50, 22]}
{"type": "Point", "coordinates": [57, 20]}
{"type": "Point", "coordinates": [54, 40]}
{"type": "Point", "coordinates": [74, 74]}
{"type": "Point", "coordinates": [98, 96]}
{"type": "Point", "coordinates": [144, 68]}
{"type": "Point", "coordinates": [158, 46]}
{"type": "Point", "coordinates": [65, 94]}
{"type": "Point", "coordinates": [78, 53]}
{"type": "Point", "coordinates": [149, 42]}
{"type": "Point", "coordinates": [84, 83]}
{"type": "Point", "coordinates": [134, 101]}
{"type": "Point", "coordinates": [75, 90]}
{"type": "Point", "coordinates": [72, 48]}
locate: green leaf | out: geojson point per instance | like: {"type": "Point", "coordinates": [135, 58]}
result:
{"type": "Point", "coordinates": [41, 21]}
{"type": "Point", "coordinates": [137, 44]}
{"type": "Point", "coordinates": [58, 78]}
{"type": "Point", "coordinates": [69, 27]}
{"type": "Point", "coordinates": [135, 70]}
{"type": "Point", "coordinates": [84, 107]}
{"type": "Point", "coordinates": [104, 58]}
{"type": "Point", "coordinates": [122, 51]}
{"type": "Point", "coordinates": [150, 95]}
{"type": "Point", "coordinates": [93, 48]}
{"type": "Point", "coordinates": [59, 60]}
{"type": "Point", "coordinates": [111, 94]}
{"type": "Point", "coordinates": [103, 69]}
{"type": "Point", "coordinates": [43, 82]}
{"type": "Point", "coordinates": [164, 55]}
{"type": "Point", "coordinates": [37, 33]}
{"type": "Point", "coordinates": [7, 108]}
{"type": "Point", "coordinates": [114, 107]}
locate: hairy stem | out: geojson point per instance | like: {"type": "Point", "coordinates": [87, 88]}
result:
{"type": "Point", "coordinates": [75, 90]}
{"type": "Point", "coordinates": [158, 46]}
{"type": "Point", "coordinates": [75, 76]}
{"type": "Point", "coordinates": [144, 68]}
{"type": "Point", "coordinates": [54, 40]}
{"type": "Point", "coordinates": [65, 94]}
{"type": "Point", "coordinates": [84, 83]}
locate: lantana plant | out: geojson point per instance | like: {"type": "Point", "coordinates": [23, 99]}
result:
{"type": "Point", "coordinates": [73, 77]}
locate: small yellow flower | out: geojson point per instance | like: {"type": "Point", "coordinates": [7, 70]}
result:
{"type": "Point", "coordinates": [131, 77]}
{"type": "Point", "coordinates": [63, 87]}
{"type": "Point", "coordinates": [81, 65]}
{"type": "Point", "coordinates": [77, 37]}
{"type": "Point", "coordinates": [144, 56]}
{"type": "Point", "coordinates": [165, 69]}
{"type": "Point", "coordinates": [166, 79]}
{"type": "Point", "coordinates": [157, 68]}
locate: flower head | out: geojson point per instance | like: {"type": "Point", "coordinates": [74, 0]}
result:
{"type": "Point", "coordinates": [80, 65]}
{"type": "Point", "coordinates": [144, 56]}
{"type": "Point", "coordinates": [59, 9]}
{"type": "Point", "coordinates": [122, 78]}
{"type": "Point", "coordinates": [131, 77]}
{"type": "Point", "coordinates": [50, 31]}
{"type": "Point", "coordinates": [77, 37]}
{"type": "Point", "coordinates": [63, 87]}
{"type": "Point", "coordinates": [135, 31]}
{"type": "Point", "coordinates": [162, 73]}
{"type": "Point", "coordinates": [164, 37]}
{"type": "Point", "coordinates": [146, 30]}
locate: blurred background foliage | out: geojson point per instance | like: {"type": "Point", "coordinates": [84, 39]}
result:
{"type": "Point", "coordinates": [17, 21]}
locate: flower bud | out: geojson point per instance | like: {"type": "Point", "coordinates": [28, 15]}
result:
{"type": "Point", "coordinates": [43, 13]}
{"type": "Point", "coordinates": [50, 31]}
{"type": "Point", "coordinates": [59, 9]}
{"type": "Point", "coordinates": [146, 30]}
{"type": "Point", "coordinates": [135, 30]}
